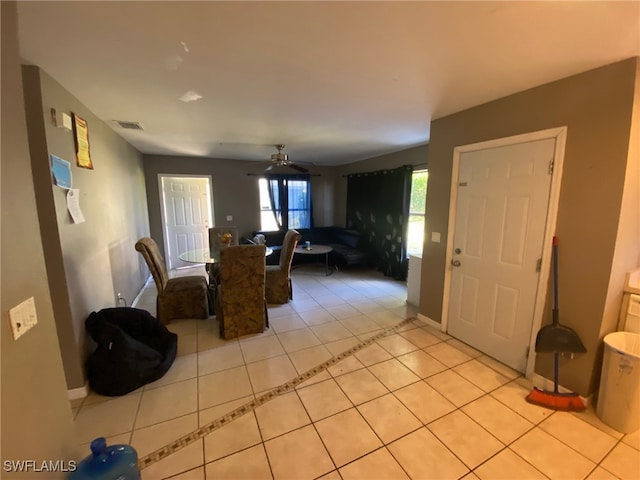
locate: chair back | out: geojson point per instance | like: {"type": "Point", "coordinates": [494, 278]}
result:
{"type": "Point", "coordinates": [151, 254]}
{"type": "Point", "coordinates": [242, 290]}
{"type": "Point", "coordinates": [291, 239]}
{"type": "Point", "coordinates": [216, 234]}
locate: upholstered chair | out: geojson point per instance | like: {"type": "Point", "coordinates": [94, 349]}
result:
{"type": "Point", "coordinates": [217, 243]}
{"type": "Point", "coordinates": [180, 297]}
{"type": "Point", "coordinates": [216, 236]}
{"type": "Point", "coordinates": [278, 278]}
{"type": "Point", "coordinates": [240, 303]}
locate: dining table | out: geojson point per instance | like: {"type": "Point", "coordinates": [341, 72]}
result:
{"type": "Point", "coordinates": [207, 256]}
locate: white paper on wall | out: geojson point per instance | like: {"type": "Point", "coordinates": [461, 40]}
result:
{"type": "Point", "coordinates": [73, 204]}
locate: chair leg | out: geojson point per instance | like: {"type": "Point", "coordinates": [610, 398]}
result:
{"type": "Point", "coordinates": [159, 315]}
{"type": "Point", "coordinates": [211, 300]}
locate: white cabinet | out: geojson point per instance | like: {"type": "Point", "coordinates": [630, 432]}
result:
{"type": "Point", "coordinates": [413, 279]}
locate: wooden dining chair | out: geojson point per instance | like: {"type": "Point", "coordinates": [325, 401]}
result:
{"type": "Point", "coordinates": [240, 303]}
{"type": "Point", "coordinates": [180, 297]}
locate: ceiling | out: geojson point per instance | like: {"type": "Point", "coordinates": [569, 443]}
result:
{"type": "Point", "coordinates": [334, 81]}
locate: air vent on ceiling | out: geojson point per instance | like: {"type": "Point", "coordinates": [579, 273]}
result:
{"type": "Point", "coordinates": [129, 125]}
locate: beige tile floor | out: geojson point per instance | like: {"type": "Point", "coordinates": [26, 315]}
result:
{"type": "Point", "coordinates": [415, 404]}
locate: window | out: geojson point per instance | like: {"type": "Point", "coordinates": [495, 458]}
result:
{"type": "Point", "coordinates": [267, 218]}
{"type": "Point", "coordinates": [290, 195]}
{"type": "Point", "coordinates": [417, 208]}
{"type": "Point", "coordinates": [299, 204]}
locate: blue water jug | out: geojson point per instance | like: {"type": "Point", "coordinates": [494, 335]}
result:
{"type": "Point", "coordinates": [117, 462]}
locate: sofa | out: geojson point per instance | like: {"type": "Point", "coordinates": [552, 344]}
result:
{"type": "Point", "coordinates": [348, 247]}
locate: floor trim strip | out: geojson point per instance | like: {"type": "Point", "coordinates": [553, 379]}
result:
{"type": "Point", "coordinates": [201, 432]}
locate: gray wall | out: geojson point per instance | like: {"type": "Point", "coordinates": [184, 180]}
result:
{"type": "Point", "coordinates": [596, 107]}
{"type": "Point", "coordinates": [36, 415]}
{"type": "Point", "coordinates": [235, 192]}
{"type": "Point", "coordinates": [87, 263]}
{"type": "Point", "coordinates": [416, 156]}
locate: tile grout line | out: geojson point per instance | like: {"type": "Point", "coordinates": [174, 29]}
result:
{"type": "Point", "coordinates": [201, 432]}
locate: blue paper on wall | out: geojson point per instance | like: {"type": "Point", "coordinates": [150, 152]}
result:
{"type": "Point", "coordinates": [61, 170]}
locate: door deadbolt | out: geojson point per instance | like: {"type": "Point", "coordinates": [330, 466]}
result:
{"type": "Point", "coordinates": [455, 263]}
{"type": "Point", "coordinates": [457, 251]}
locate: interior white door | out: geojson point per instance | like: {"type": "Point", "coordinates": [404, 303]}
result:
{"type": "Point", "coordinates": [500, 219]}
{"type": "Point", "coordinates": [187, 211]}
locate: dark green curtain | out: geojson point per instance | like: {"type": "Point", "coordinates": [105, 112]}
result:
{"type": "Point", "coordinates": [378, 208]}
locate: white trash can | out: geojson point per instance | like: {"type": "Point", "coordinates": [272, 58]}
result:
{"type": "Point", "coordinates": [619, 394]}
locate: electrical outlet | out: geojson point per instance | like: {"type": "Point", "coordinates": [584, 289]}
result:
{"type": "Point", "coordinates": [23, 317]}
{"type": "Point", "coordinates": [121, 300]}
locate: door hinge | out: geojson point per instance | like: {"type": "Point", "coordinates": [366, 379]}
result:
{"type": "Point", "coordinates": [551, 163]}
{"type": "Point", "coordinates": [528, 352]}
{"type": "Point", "coordinates": [539, 265]}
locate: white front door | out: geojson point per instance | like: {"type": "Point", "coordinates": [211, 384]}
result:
{"type": "Point", "coordinates": [187, 215]}
{"type": "Point", "coordinates": [498, 239]}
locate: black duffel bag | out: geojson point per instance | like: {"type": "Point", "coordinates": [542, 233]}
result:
{"type": "Point", "coordinates": [134, 348]}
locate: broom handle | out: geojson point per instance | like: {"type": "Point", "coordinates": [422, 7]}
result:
{"type": "Point", "coordinates": [555, 281]}
{"type": "Point", "coordinates": [556, 355]}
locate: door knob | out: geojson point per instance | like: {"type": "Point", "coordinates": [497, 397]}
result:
{"type": "Point", "coordinates": [455, 263]}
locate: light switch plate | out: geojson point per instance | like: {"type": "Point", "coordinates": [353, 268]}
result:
{"type": "Point", "coordinates": [435, 237]}
{"type": "Point", "coordinates": [23, 317]}
{"type": "Point", "coordinates": [229, 218]}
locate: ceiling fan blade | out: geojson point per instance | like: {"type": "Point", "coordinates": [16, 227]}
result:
{"type": "Point", "coordinates": [269, 167]}
{"type": "Point", "coordinates": [298, 167]}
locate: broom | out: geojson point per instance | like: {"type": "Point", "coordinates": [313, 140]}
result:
{"type": "Point", "coordinates": [552, 339]}
{"type": "Point", "coordinates": [567, 402]}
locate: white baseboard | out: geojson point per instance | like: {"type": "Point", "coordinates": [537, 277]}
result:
{"type": "Point", "coordinates": [546, 384]}
{"type": "Point", "coordinates": [430, 322]}
{"type": "Point", "coordinates": [135, 300]}
{"type": "Point", "coordinates": [77, 393]}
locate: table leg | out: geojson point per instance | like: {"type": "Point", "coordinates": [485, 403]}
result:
{"type": "Point", "coordinates": [326, 261]}
{"type": "Point", "coordinates": [213, 272]}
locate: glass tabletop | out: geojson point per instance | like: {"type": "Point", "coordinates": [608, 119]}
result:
{"type": "Point", "coordinates": [204, 255]}
{"type": "Point", "coordinates": [199, 255]}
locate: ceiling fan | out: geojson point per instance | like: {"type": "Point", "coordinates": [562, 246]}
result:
{"type": "Point", "coordinates": [282, 160]}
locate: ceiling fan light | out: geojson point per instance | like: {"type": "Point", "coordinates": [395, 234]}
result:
{"type": "Point", "coordinates": [279, 157]}
{"type": "Point", "coordinates": [282, 160]}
